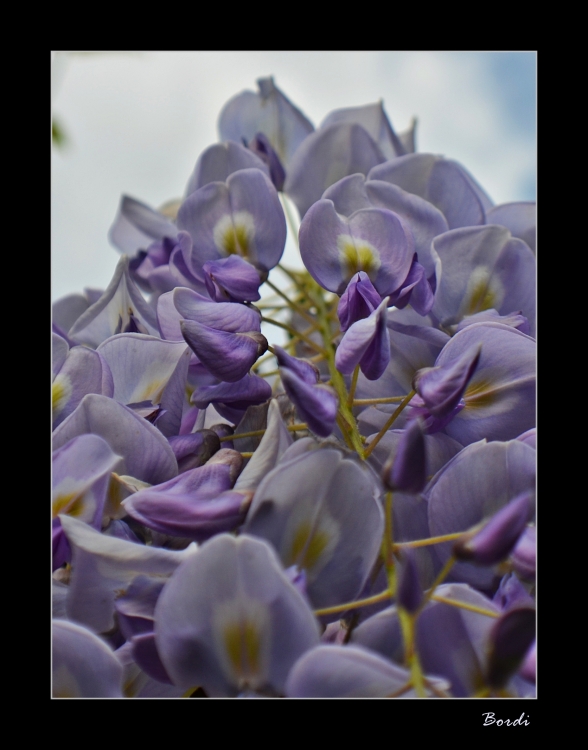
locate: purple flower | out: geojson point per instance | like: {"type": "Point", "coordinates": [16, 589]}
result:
{"type": "Point", "coordinates": [316, 404]}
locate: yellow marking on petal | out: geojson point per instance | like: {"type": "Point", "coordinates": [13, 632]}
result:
{"type": "Point", "coordinates": [481, 298]}
{"type": "Point", "coordinates": [242, 632]}
{"type": "Point", "coordinates": [116, 493]}
{"type": "Point", "coordinates": [152, 391]}
{"type": "Point", "coordinates": [357, 255]}
{"type": "Point", "coordinates": [72, 504]}
{"type": "Point", "coordinates": [234, 235]}
{"type": "Point", "coordinates": [484, 292]}
{"type": "Point", "coordinates": [243, 646]}
{"type": "Point", "coordinates": [308, 546]}
{"type": "Point", "coordinates": [60, 393]}
{"type": "Point", "coordinates": [479, 395]}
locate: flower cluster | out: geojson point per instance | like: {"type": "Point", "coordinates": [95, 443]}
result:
{"type": "Point", "coordinates": [349, 515]}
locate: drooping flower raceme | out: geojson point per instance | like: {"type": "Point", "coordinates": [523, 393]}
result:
{"type": "Point", "coordinates": [350, 514]}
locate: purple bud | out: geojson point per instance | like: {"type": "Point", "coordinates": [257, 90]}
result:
{"type": "Point", "coordinates": [224, 430]}
{"type": "Point", "coordinates": [231, 279]}
{"type": "Point", "coordinates": [358, 301]}
{"type": "Point", "coordinates": [442, 387]}
{"type": "Point", "coordinates": [195, 449]}
{"type": "Point", "coordinates": [406, 471]}
{"type": "Point", "coordinates": [498, 537]}
{"type": "Point", "coordinates": [409, 594]}
{"type": "Point", "coordinates": [510, 639]}
{"type": "Point", "coordinates": [261, 147]}
{"type": "Point", "coordinates": [415, 289]}
{"type": "Point", "coordinates": [226, 355]}
{"type": "Point", "coordinates": [305, 370]}
{"type": "Point", "coordinates": [232, 459]}
{"type": "Point", "coordinates": [317, 404]}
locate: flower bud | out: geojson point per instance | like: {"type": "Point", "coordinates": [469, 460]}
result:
{"type": "Point", "coordinates": [510, 640]}
{"type": "Point", "coordinates": [497, 538]}
{"type": "Point", "coordinates": [406, 471]}
{"type": "Point", "coordinates": [409, 594]}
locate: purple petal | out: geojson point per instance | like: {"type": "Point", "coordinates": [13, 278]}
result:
{"type": "Point", "coordinates": [269, 112]}
{"type": "Point", "coordinates": [145, 451]}
{"type": "Point", "coordinates": [357, 301]}
{"type": "Point", "coordinates": [326, 156]}
{"type": "Point", "coordinates": [261, 146]}
{"type": "Point", "coordinates": [219, 161]}
{"type": "Point", "coordinates": [232, 279]}
{"type": "Point", "coordinates": [407, 472]}
{"type": "Point", "coordinates": [83, 665]}
{"type": "Point", "coordinates": [227, 356]}
{"type": "Point", "coordinates": [137, 225]}
{"type": "Point", "coordinates": [373, 118]}
{"type": "Point", "coordinates": [366, 343]}
{"type": "Point", "coordinates": [441, 388]}
{"type": "Point", "coordinates": [302, 368]}
{"type": "Point", "coordinates": [120, 309]}
{"type": "Point", "coordinates": [230, 619]}
{"type": "Point", "coordinates": [321, 512]}
{"type": "Point", "coordinates": [317, 405]}
{"type": "Point", "coordinates": [500, 534]}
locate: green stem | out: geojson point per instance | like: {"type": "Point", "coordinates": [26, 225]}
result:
{"type": "Point", "coordinates": [407, 624]}
{"type": "Point", "coordinates": [389, 544]}
{"type": "Point", "coordinates": [292, 305]}
{"type": "Point", "coordinates": [376, 599]}
{"type": "Point", "coordinates": [370, 401]}
{"type": "Point", "coordinates": [464, 605]}
{"type": "Point", "coordinates": [345, 420]}
{"type": "Point", "coordinates": [431, 540]}
{"type": "Point", "coordinates": [294, 332]}
{"type": "Point", "coordinates": [353, 386]}
{"type": "Point", "coordinates": [389, 423]}
{"type": "Point", "coordinates": [439, 580]}
{"type": "Point", "coordinates": [258, 433]}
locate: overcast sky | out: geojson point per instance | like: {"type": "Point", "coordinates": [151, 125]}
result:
{"type": "Point", "coordinates": [136, 123]}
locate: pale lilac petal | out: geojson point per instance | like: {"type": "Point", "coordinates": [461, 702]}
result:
{"type": "Point", "coordinates": [83, 665]}
{"type": "Point", "coordinates": [332, 671]}
{"type": "Point", "coordinates": [366, 343]}
{"type": "Point", "coordinates": [320, 511]}
{"type": "Point", "coordinates": [146, 453]}
{"type": "Point", "coordinates": [141, 365]}
{"type": "Point", "coordinates": [271, 448]}
{"type": "Point", "coordinates": [102, 565]}
{"type": "Point", "coordinates": [478, 482]}
{"type": "Point", "coordinates": [84, 371]}
{"type": "Point", "coordinates": [269, 112]}
{"type": "Point", "coordinates": [520, 218]}
{"type": "Point", "coordinates": [136, 226]}
{"type": "Point", "coordinates": [230, 620]}
{"type": "Point", "coordinates": [326, 156]}
{"type": "Point", "coordinates": [223, 316]}
{"type": "Point", "coordinates": [500, 397]}
{"type": "Point", "coordinates": [483, 268]}
{"type": "Point", "coordinates": [373, 118]}
{"type": "Point", "coordinates": [219, 161]}
{"type": "Point", "coordinates": [81, 470]}
{"type": "Point", "coordinates": [120, 309]}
